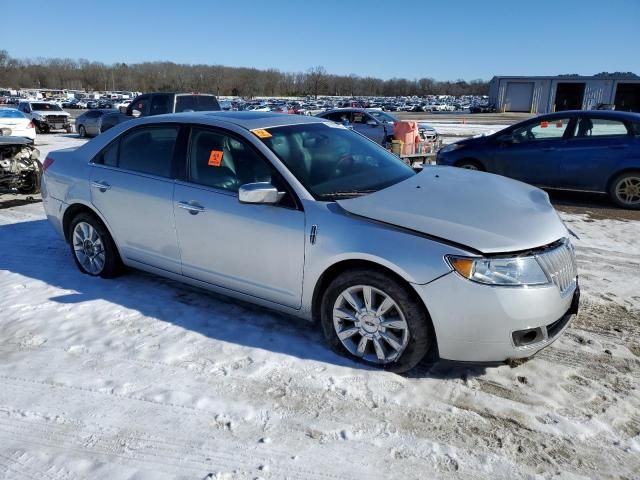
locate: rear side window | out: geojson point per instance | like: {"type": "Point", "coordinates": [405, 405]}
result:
{"type": "Point", "coordinates": [600, 127]}
{"type": "Point", "coordinates": [146, 150]}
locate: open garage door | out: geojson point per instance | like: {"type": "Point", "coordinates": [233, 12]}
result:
{"type": "Point", "coordinates": [518, 97]}
{"type": "Point", "coordinates": [628, 97]}
{"type": "Point", "coordinates": [569, 96]}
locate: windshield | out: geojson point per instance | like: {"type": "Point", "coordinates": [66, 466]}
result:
{"type": "Point", "coordinates": [382, 116]}
{"type": "Point", "coordinates": [333, 162]}
{"type": "Point", "coordinates": [6, 113]}
{"type": "Point", "coordinates": [52, 107]}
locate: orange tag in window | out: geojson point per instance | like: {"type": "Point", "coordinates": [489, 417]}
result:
{"type": "Point", "coordinates": [544, 124]}
{"type": "Point", "coordinates": [261, 133]}
{"type": "Point", "coordinates": [215, 158]}
{"type": "Point", "coordinates": [559, 124]}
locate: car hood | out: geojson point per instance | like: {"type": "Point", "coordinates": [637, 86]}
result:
{"type": "Point", "coordinates": [486, 212]}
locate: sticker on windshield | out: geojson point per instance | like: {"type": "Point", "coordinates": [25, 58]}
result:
{"type": "Point", "coordinates": [261, 133]}
{"type": "Point", "coordinates": [215, 158]}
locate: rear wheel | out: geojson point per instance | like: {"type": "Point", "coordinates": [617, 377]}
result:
{"type": "Point", "coordinates": [92, 247]}
{"type": "Point", "coordinates": [470, 165]}
{"type": "Point", "coordinates": [625, 190]}
{"type": "Point", "coordinates": [82, 131]}
{"type": "Point", "coordinates": [371, 317]}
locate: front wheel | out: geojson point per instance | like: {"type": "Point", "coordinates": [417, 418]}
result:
{"type": "Point", "coordinates": [92, 247]}
{"type": "Point", "coordinates": [82, 131]}
{"type": "Point", "coordinates": [625, 190]}
{"type": "Point", "coordinates": [371, 317]}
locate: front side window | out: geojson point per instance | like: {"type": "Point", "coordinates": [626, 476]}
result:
{"type": "Point", "coordinates": [543, 129]}
{"type": "Point", "coordinates": [333, 162]}
{"type": "Point", "coordinates": [148, 150]}
{"type": "Point", "coordinates": [339, 117]}
{"type": "Point", "coordinates": [221, 161]}
{"type": "Point", "coordinates": [599, 127]}
{"type": "Point", "coordinates": [382, 116]}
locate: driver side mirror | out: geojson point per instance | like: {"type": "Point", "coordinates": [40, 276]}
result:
{"type": "Point", "coordinates": [259, 192]}
{"type": "Point", "coordinates": [373, 123]}
{"type": "Point", "coordinates": [135, 113]}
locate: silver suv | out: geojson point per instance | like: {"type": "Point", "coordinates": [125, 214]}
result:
{"type": "Point", "coordinates": [46, 116]}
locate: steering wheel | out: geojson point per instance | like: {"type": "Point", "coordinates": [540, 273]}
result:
{"type": "Point", "coordinates": [344, 163]}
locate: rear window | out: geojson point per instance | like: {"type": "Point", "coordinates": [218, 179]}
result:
{"type": "Point", "coordinates": [600, 127]}
{"type": "Point", "coordinates": [196, 103]}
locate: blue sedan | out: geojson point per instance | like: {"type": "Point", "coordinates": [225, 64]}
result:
{"type": "Point", "coordinates": [594, 151]}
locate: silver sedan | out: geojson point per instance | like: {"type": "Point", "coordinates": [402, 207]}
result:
{"type": "Point", "coordinates": [307, 217]}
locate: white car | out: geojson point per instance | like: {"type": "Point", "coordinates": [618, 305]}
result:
{"type": "Point", "coordinates": [46, 116]}
{"type": "Point", "coordinates": [14, 123]}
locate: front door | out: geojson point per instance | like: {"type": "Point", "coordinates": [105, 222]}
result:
{"type": "Point", "coordinates": [257, 250]}
{"type": "Point", "coordinates": [132, 187]}
{"type": "Point", "coordinates": [535, 151]}
{"type": "Point", "coordinates": [368, 126]}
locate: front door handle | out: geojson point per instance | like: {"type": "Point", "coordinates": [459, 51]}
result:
{"type": "Point", "coordinates": [101, 185]}
{"type": "Point", "coordinates": [192, 208]}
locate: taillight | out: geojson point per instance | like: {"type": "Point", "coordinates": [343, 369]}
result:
{"type": "Point", "coordinates": [31, 124]}
{"type": "Point", "coordinates": [47, 163]}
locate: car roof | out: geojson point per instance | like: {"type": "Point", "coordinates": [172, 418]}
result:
{"type": "Point", "coordinates": [248, 120]}
{"type": "Point", "coordinates": [614, 114]}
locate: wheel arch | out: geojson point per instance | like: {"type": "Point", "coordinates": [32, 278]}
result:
{"type": "Point", "coordinates": [76, 208]}
{"type": "Point", "coordinates": [474, 160]}
{"type": "Point", "coordinates": [617, 173]}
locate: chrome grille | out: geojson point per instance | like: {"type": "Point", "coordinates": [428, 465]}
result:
{"type": "Point", "coordinates": [56, 119]}
{"type": "Point", "coordinates": [559, 264]}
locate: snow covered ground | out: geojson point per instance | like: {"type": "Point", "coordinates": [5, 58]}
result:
{"type": "Point", "coordinates": [144, 378]}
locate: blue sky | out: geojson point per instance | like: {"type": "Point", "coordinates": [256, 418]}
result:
{"type": "Point", "coordinates": [445, 40]}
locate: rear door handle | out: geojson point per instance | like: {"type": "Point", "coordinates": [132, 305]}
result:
{"type": "Point", "coordinates": [193, 209]}
{"type": "Point", "coordinates": [101, 185]}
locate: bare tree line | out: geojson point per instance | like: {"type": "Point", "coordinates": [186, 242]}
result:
{"type": "Point", "coordinates": [82, 74]}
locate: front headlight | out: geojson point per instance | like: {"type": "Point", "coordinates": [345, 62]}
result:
{"type": "Point", "coordinates": [452, 147]}
{"type": "Point", "coordinates": [514, 271]}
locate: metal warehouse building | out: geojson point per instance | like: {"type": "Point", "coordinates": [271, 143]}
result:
{"type": "Point", "coordinates": [570, 92]}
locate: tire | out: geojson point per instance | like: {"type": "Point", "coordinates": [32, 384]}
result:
{"type": "Point", "coordinates": [111, 265]}
{"type": "Point", "coordinates": [34, 180]}
{"type": "Point", "coordinates": [82, 132]}
{"type": "Point", "coordinates": [624, 190]}
{"type": "Point", "coordinates": [470, 165]}
{"type": "Point", "coordinates": [416, 340]}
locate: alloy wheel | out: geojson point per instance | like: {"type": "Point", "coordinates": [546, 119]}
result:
{"type": "Point", "coordinates": [88, 248]}
{"type": "Point", "coordinates": [628, 190]}
{"type": "Point", "coordinates": [370, 324]}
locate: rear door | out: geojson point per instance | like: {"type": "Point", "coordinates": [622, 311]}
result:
{"type": "Point", "coordinates": [597, 150]}
{"type": "Point", "coordinates": [257, 250]}
{"type": "Point", "coordinates": [132, 187]}
{"type": "Point", "coordinates": [534, 153]}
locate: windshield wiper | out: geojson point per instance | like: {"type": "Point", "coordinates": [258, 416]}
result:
{"type": "Point", "coordinates": [353, 193]}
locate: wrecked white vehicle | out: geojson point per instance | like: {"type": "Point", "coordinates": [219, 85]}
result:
{"type": "Point", "coordinates": [20, 169]}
